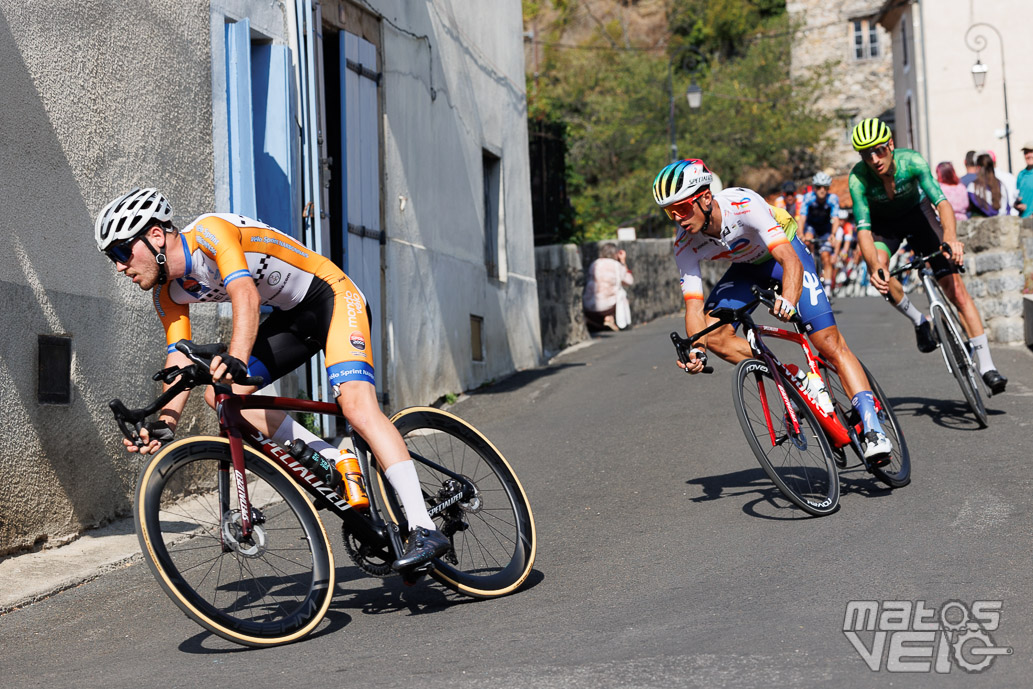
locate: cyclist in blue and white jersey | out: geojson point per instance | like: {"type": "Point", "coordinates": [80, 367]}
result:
{"type": "Point", "coordinates": [820, 221]}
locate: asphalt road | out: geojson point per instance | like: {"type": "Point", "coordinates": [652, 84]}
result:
{"type": "Point", "coordinates": [666, 558]}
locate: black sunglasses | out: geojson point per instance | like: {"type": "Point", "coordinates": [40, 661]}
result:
{"type": "Point", "coordinates": [120, 253]}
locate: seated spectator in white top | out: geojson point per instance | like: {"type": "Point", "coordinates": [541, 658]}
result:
{"type": "Point", "coordinates": [604, 296]}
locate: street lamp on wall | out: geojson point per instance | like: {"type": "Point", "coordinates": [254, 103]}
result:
{"type": "Point", "coordinates": [693, 94]}
{"type": "Point", "coordinates": [976, 42]}
{"type": "Point", "coordinates": [979, 74]}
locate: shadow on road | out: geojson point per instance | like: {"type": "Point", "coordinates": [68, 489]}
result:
{"type": "Point", "coordinates": [770, 503]}
{"type": "Point", "coordinates": [953, 414]}
{"type": "Point", "coordinates": [424, 597]}
{"type": "Point", "coordinates": [521, 379]}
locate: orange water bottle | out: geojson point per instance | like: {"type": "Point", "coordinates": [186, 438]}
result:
{"type": "Point", "coordinates": [351, 487]}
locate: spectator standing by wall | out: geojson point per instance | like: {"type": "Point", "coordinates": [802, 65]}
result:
{"type": "Point", "coordinates": [971, 169]}
{"type": "Point", "coordinates": [1024, 182]}
{"type": "Point", "coordinates": [953, 189]}
{"type": "Point", "coordinates": [605, 300]}
{"type": "Point", "coordinates": [1008, 180]}
{"type": "Point", "coordinates": [987, 196]}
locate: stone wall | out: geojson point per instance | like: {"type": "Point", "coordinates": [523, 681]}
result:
{"type": "Point", "coordinates": [561, 282]}
{"type": "Point", "coordinates": [999, 264]}
{"type": "Point", "coordinates": [854, 89]}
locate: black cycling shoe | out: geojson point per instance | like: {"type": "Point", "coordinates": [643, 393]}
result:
{"type": "Point", "coordinates": [422, 546]}
{"type": "Point", "coordinates": [924, 335]}
{"type": "Point", "coordinates": [995, 381]}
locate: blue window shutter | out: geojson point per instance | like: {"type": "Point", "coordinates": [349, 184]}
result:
{"type": "Point", "coordinates": [274, 155]}
{"type": "Point", "coordinates": [238, 102]}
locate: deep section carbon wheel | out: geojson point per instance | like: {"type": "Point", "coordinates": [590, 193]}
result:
{"type": "Point", "coordinates": [478, 503]}
{"type": "Point", "coordinates": [270, 588]}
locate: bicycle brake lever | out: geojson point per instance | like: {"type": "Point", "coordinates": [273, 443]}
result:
{"type": "Point", "coordinates": [124, 417]}
{"type": "Point", "coordinates": [684, 353]}
{"type": "Point", "coordinates": [167, 375]}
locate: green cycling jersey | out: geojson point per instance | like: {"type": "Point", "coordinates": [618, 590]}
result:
{"type": "Point", "coordinates": [912, 180]}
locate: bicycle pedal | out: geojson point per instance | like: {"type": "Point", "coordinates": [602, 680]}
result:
{"type": "Point", "coordinates": [412, 577]}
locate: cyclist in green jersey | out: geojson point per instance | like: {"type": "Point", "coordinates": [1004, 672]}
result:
{"type": "Point", "coordinates": [894, 194]}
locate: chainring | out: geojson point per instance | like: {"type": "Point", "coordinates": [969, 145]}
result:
{"type": "Point", "coordinates": [364, 557]}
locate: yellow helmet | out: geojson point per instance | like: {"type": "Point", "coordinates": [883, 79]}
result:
{"type": "Point", "coordinates": [870, 132]}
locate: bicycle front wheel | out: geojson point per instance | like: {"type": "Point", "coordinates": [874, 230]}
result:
{"type": "Point", "coordinates": [952, 342]}
{"type": "Point", "coordinates": [492, 531]}
{"type": "Point", "coordinates": [271, 588]}
{"type": "Point", "coordinates": [797, 458]}
{"type": "Point", "coordinates": [897, 473]}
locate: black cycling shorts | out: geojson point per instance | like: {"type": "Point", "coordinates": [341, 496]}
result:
{"type": "Point", "coordinates": [923, 232]}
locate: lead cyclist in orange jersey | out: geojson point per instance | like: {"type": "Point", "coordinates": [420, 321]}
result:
{"type": "Point", "coordinates": [228, 257]}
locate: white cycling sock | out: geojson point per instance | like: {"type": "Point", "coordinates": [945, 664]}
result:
{"type": "Point", "coordinates": [910, 310]}
{"type": "Point", "coordinates": [981, 348]}
{"type": "Point", "coordinates": [290, 430]}
{"type": "Point", "coordinates": [406, 483]}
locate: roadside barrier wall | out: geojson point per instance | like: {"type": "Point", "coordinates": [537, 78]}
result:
{"type": "Point", "coordinates": [999, 271]}
{"type": "Point", "coordinates": [561, 282]}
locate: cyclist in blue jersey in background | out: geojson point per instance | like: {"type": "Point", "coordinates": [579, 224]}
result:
{"type": "Point", "coordinates": [820, 221]}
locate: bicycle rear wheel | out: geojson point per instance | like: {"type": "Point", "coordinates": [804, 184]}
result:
{"type": "Point", "coordinates": [271, 589]}
{"type": "Point", "coordinates": [897, 473]}
{"type": "Point", "coordinates": [492, 532]}
{"type": "Point", "coordinates": [797, 459]}
{"type": "Point", "coordinates": [952, 343]}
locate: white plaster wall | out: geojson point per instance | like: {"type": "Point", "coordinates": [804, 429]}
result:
{"type": "Point", "coordinates": [90, 109]}
{"type": "Point", "coordinates": [454, 85]}
{"type": "Point", "coordinates": [954, 117]}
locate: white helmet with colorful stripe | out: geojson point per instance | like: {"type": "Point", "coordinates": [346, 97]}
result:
{"type": "Point", "coordinates": [680, 180]}
{"type": "Point", "coordinates": [129, 215]}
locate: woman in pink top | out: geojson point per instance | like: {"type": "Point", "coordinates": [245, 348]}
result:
{"type": "Point", "coordinates": [953, 189]}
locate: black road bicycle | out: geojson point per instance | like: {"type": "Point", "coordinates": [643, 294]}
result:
{"type": "Point", "coordinates": [230, 525]}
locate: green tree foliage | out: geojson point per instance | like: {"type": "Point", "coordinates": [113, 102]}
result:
{"type": "Point", "coordinates": [614, 99]}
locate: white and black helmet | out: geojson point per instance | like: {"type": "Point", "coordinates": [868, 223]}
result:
{"type": "Point", "coordinates": [821, 179]}
{"type": "Point", "coordinates": [129, 215]}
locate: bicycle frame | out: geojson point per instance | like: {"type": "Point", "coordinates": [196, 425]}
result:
{"type": "Point", "coordinates": [839, 435]}
{"type": "Point", "coordinates": [233, 426]}
{"type": "Point", "coordinates": [237, 429]}
{"type": "Point", "coordinates": [937, 299]}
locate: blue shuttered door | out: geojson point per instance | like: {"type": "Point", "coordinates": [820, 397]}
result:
{"type": "Point", "coordinates": [360, 140]}
{"type": "Point", "coordinates": [238, 103]}
{"type": "Point", "coordinates": [275, 155]}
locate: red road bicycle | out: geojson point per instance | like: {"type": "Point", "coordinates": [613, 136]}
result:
{"type": "Point", "coordinates": [797, 442]}
{"type": "Point", "coordinates": [229, 525]}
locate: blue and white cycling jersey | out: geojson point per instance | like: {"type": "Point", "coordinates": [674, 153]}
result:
{"type": "Point", "coordinates": [816, 216]}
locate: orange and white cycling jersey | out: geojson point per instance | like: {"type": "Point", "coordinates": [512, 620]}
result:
{"type": "Point", "coordinates": [750, 228]}
{"type": "Point", "coordinates": [221, 248]}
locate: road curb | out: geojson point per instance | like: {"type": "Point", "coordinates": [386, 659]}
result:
{"type": "Point", "coordinates": [32, 577]}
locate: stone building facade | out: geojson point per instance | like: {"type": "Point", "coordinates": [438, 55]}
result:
{"type": "Point", "coordinates": [843, 40]}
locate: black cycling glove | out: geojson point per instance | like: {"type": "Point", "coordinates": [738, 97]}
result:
{"type": "Point", "coordinates": [236, 368]}
{"type": "Point", "coordinates": [160, 431]}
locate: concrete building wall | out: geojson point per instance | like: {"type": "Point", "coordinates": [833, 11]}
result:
{"type": "Point", "coordinates": [102, 95]}
{"type": "Point", "coordinates": [951, 116]}
{"type": "Point", "coordinates": [90, 109]}
{"type": "Point", "coordinates": [857, 88]}
{"type": "Point", "coordinates": [454, 87]}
